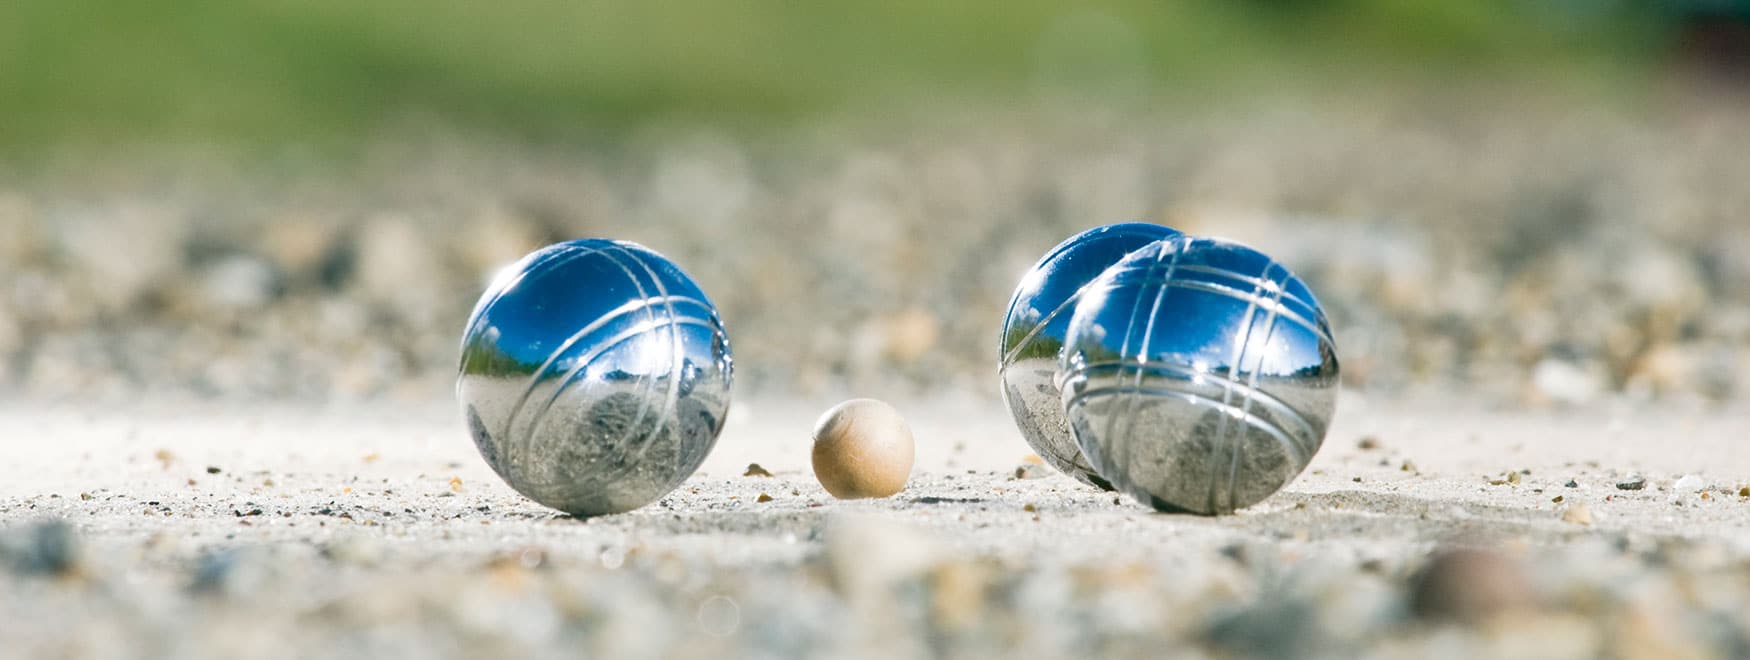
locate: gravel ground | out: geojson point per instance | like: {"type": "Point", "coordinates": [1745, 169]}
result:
{"type": "Point", "coordinates": [1530, 254]}
{"type": "Point", "coordinates": [229, 434]}
{"type": "Point", "coordinates": [1423, 529]}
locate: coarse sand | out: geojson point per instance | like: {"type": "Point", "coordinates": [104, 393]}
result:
{"type": "Point", "coordinates": [207, 530]}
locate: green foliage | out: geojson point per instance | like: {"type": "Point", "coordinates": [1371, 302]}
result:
{"type": "Point", "coordinates": [271, 71]}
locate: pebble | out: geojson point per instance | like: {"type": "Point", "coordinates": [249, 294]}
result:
{"type": "Point", "coordinates": [1031, 471]}
{"type": "Point", "coordinates": [397, 267]}
{"type": "Point", "coordinates": [495, 238]}
{"type": "Point", "coordinates": [125, 250]}
{"type": "Point", "coordinates": [1470, 586]}
{"type": "Point", "coordinates": [299, 243]}
{"type": "Point", "coordinates": [1275, 629]}
{"type": "Point", "coordinates": [1688, 483]}
{"type": "Point", "coordinates": [910, 335]}
{"type": "Point", "coordinates": [45, 548]}
{"type": "Point", "coordinates": [239, 281]}
{"type": "Point", "coordinates": [960, 592]}
{"type": "Point", "coordinates": [213, 571]}
{"type": "Point", "coordinates": [1577, 513]}
{"type": "Point", "coordinates": [1632, 483]}
{"type": "Point", "coordinates": [862, 448]}
{"type": "Point", "coordinates": [755, 470]}
{"type": "Point", "coordinates": [1566, 382]}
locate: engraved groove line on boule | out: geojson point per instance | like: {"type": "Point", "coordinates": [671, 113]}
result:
{"type": "Point", "coordinates": [1027, 340]}
{"type": "Point", "coordinates": [1247, 279]}
{"type": "Point", "coordinates": [583, 362]}
{"type": "Point", "coordinates": [674, 365]}
{"type": "Point", "coordinates": [1283, 437]}
{"type": "Point", "coordinates": [1068, 303]}
{"type": "Point", "coordinates": [512, 445]}
{"type": "Point", "coordinates": [1252, 386]}
{"type": "Point", "coordinates": [623, 445]}
{"type": "Point", "coordinates": [1142, 356]}
{"type": "Point", "coordinates": [1223, 437]}
{"type": "Point", "coordinates": [594, 326]}
{"type": "Point", "coordinates": [1124, 351]}
{"type": "Point", "coordinates": [1289, 314]}
{"type": "Point", "coordinates": [522, 274]}
{"type": "Point", "coordinates": [610, 343]}
{"type": "Point", "coordinates": [1263, 398]}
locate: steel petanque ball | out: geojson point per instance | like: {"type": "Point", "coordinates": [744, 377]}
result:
{"type": "Point", "coordinates": [1033, 334]}
{"type": "Point", "coordinates": [594, 376]}
{"type": "Point", "coordinates": [1198, 375]}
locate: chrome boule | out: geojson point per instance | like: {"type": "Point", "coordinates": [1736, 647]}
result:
{"type": "Point", "coordinates": [1033, 334]}
{"type": "Point", "coordinates": [594, 376]}
{"type": "Point", "coordinates": [1198, 375]}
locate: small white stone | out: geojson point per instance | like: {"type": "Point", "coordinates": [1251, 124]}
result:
{"type": "Point", "coordinates": [1688, 483]}
{"type": "Point", "coordinates": [1566, 382]}
{"type": "Point", "coordinates": [239, 282]}
{"type": "Point", "coordinates": [398, 266]}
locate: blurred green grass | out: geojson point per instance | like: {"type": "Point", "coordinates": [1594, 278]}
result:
{"type": "Point", "coordinates": [266, 72]}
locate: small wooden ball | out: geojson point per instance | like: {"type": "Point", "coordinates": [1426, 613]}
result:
{"type": "Point", "coordinates": [862, 448]}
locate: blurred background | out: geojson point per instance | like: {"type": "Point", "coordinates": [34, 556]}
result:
{"type": "Point", "coordinates": [1528, 202]}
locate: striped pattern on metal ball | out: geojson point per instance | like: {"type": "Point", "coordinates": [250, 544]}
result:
{"type": "Point", "coordinates": [1033, 334]}
{"type": "Point", "coordinates": [1198, 375]}
{"type": "Point", "coordinates": [594, 376]}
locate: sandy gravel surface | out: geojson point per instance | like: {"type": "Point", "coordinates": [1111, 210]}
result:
{"type": "Point", "coordinates": [1528, 255]}
{"type": "Point", "coordinates": [1579, 280]}
{"type": "Point", "coordinates": [208, 530]}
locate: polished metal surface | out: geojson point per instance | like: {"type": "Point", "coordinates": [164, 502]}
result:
{"type": "Point", "coordinates": [1034, 331]}
{"type": "Point", "coordinates": [594, 376]}
{"type": "Point", "coordinates": [1198, 375]}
